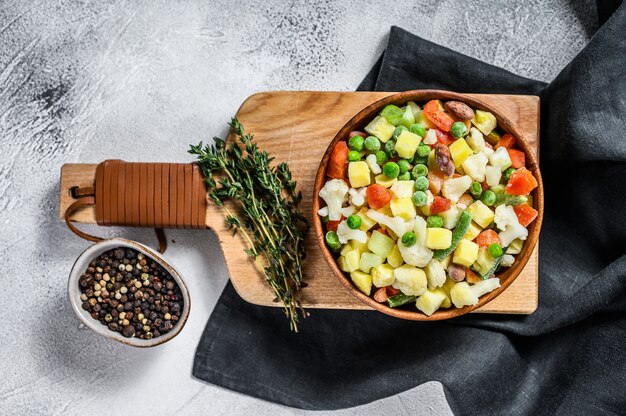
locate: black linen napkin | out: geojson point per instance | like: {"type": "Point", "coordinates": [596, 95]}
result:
{"type": "Point", "coordinates": [567, 358]}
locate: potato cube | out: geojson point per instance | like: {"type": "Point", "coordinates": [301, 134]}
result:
{"type": "Point", "coordinates": [410, 280]}
{"type": "Point", "coordinates": [380, 128]}
{"type": "Point", "coordinates": [403, 189]}
{"type": "Point", "coordinates": [346, 248]}
{"type": "Point", "coordinates": [460, 151]}
{"type": "Point", "coordinates": [403, 208]}
{"type": "Point", "coordinates": [384, 180]}
{"type": "Point", "coordinates": [448, 285]}
{"type": "Point", "coordinates": [362, 281]}
{"type": "Point", "coordinates": [407, 143]}
{"type": "Point", "coordinates": [481, 213]}
{"type": "Point", "coordinates": [394, 258]}
{"type": "Point", "coordinates": [358, 246]}
{"type": "Point", "coordinates": [341, 262]}
{"type": "Point", "coordinates": [515, 247]}
{"type": "Point", "coordinates": [438, 238]}
{"type": "Point", "coordinates": [359, 174]}
{"type": "Point", "coordinates": [447, 302]}
{"type": "Point", "coordinates": [352, 260]}
{"type": "Point", "coordinates": [465, 253]}
{"type": "Point", "coordinates": [484, 121]}
{"type": "Point", "coordinates": [430, 301]}
{"type": "Point", "coordinates": [484, 261]}
{"type": "Point", "coordinates": [380, 244]}
{"type": "Point", "coordinates": [369, 260]}
{"type": "Point", "coordinates": [382, 275]}
{"type": "Point", "coordinates": [366, 222]}
{"type": "Point", "coordinates": [472, 231]}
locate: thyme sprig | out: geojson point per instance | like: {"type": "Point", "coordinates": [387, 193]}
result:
{"type": "Point", "coordinates": [266, 211]}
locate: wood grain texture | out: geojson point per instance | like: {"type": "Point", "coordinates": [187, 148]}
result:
{"type": "Point", "coordinates": [297, 127]}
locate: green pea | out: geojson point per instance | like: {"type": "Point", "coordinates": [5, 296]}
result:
{"type": "Point", "coordinates": [423, 150]}
{"type": "Point", "coordinates": [419, 198]}
{"type": "Point", "coordinates": [372, 144]}
{"type": "Point", "coordinates": [458, 130]}
{"type": "Point", "coordinates": [354, 222]}
{"type": "Point", "coordinates": [507, 174]}
{"type": "Point", "coordinates": [391, 169]}
{"type": "Point", "coordinates": [488, 197]}
{"type": "Point", "coordinates": [404, 165]}
{"type": "Point", "coordinates": [495, 250]}
{"type": "Point", "coordinates": [421, 183]}
{"type": "Point", "coordinates": [409, 239]}
{"type": "Point", "coordinates": [390, 148]}
{"type": "Point", "coordinates": [398, 131]}
{"type": "Point", "coordinates": [354, 156]}
{"type": "Point", "coordinates": [418, 129]}
{"type": "Point", "coordinates": [406, 176]}
{"type": "Point", "coordinates": [476, 190]}
{"type": "Point", "coordinates": [332, 241]}
{"type": "Point", "coordinates": [418, 160]}
{"type": "Point", "coordinates": [419, 170]}
{"type": "Point", "coordinates": [498, 189]}
{"type": "Point", "coordinates": [381, 157]}
{"type": "Point", "coordinates": [392, 113]}
{"type": "Point", "coordinates": [356, 143]}
{"type": "Point", "coordinates": [434, 221]}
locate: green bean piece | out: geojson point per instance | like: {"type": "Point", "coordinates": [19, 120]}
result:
{"type": "Point", "coordinates": [399, 300]}
{"type": "Point", "coordinates": [476, 190]}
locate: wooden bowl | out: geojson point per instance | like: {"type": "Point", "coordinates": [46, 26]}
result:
{"type": "Point", "coordinates": [357, 123]}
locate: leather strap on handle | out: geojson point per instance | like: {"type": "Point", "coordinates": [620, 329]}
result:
{"type": "Point", "coordinates": [157, 195]}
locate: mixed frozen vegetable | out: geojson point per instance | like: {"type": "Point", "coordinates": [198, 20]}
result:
{"type": "Point", "coordinates": [427, 204]}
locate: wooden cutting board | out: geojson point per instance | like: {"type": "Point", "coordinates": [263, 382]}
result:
{"type": "Point", "coordinates": [296, 126]}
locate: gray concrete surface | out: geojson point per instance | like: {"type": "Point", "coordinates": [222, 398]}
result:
{"type": "Point", "coordinates": [85, 81]}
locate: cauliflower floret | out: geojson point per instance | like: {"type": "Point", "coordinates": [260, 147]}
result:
{"type": "Point", "coordinates": [492, 174]}
{"type": "Point", "coordinates": [357, 196]}
{"type": "Point", "coordinates": [334, 194]}
{"type": "Point", "coordinates": [512, 232]}
{"type": "Point", "coordinates": [500, 159]}
{"type": "Point", "coordinates": [476, 140]}
{"type": "Point", "coordinates": [435, 273]}
{"type": "Point", "coordinates": [505, 215]}
{"type": "Point", "coordinates": [419, 228]}
{"type": "Point", "coordinates": [372, 163]}
{"type": "Point", "coordinates": [462, 294]}
{"type": "Point", "coordinates": [507, 260]}
{"type": "Point", "coordinates": [323, 212]}
{"type": "Point", "coordinates": [410, 280]}
{"type": "Point", "coordinates": [455, 187]}
{"type": "Point", "coordinates": [347, 211]}
{"type": "Point", "coordinates": [396, 224]}
{"type": "Point", "coordinates": [417, 255]}
{"type": "Point", "coordinates": [346, 233]}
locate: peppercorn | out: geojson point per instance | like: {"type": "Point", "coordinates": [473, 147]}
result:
{"type": "Point", "coordinates": [128, 331]}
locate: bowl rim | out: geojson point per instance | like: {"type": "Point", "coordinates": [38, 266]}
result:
{"type": "Point", "coordinates": [80, 265]}
{"type": "Point", "coordinates": [504, 123]}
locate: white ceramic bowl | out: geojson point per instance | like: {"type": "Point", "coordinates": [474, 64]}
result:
{"type": "Point", "coordinates": [80, 266]}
